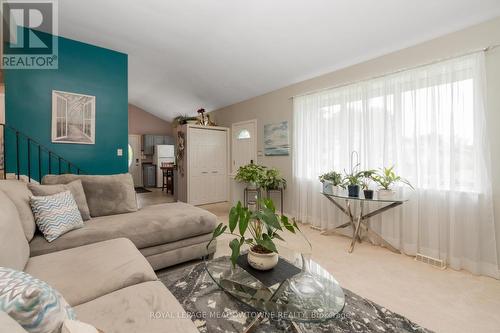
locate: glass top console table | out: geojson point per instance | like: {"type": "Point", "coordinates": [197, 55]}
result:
{"type": "Point", "coordinates": [360, 220]}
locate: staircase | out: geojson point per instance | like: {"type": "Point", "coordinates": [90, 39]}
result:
{"type": "Point", "coordinates": [22, 157]}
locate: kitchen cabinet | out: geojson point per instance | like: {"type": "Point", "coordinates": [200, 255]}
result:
{"type": "Point", "coordinates": [149, 141]}
{"type": "Point", "coordinates": [149, 175]}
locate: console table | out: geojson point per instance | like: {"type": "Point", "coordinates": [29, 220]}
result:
{"type": "Point", "coordinates": [361, 219]}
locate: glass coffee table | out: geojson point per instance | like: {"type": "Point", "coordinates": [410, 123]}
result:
{"type": "Point", "coordinates": [310, 295]}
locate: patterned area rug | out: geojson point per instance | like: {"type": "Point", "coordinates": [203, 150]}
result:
{"type": "Point", "coordinates": [212, 310]}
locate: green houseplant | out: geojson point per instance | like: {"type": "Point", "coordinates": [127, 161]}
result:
{"type": "Point", "coordinates": [386, 178]}
{"type": "Point", "coordinates": [271, 180]}
{"type": "Point", "coordinates": [332, 181]}
{"type": "Point", "coordinates": [356, 178]}
{"type": "Point", "coordinates": [251, 174]}
{"type": "Point", "coordinates": [263, 227]}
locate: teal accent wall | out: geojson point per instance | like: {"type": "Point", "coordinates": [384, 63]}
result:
{"type": "Point", "coordinates": [83, 69]}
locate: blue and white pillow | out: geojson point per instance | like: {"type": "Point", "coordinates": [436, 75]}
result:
{"type": "Point", "coordinates": [35, 305]}
{"type": "Point", "coordinates": [56, 214]}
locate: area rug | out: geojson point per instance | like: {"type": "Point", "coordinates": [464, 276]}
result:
{"type": "Point", "coordinates": [141, 189]}
{"type": "Point", "coordinates": [212, 310]}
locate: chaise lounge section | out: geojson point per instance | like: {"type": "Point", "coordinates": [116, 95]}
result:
{"type": "Point", "coordinates": [166, 234]}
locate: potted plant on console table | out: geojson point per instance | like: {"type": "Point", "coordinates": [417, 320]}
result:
{"type": "Point", "coordinates": [386, 178]}
{"type": "Point", "coordinates": [332, 181]}
{"type": "Point", "coordinates": [263, 226]}
{"type": "Point", "coordinates": [355, 179]}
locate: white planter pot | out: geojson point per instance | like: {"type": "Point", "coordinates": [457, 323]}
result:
{"type": "Point", "coordinates": [386, 194]}
{"type": "Point", "coordinates": [329, 188]}
{"type": "Point", "coordinates": [262, 261]}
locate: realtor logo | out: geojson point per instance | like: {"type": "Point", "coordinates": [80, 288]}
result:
{"type": "Point", "coordinates": [29, 34]}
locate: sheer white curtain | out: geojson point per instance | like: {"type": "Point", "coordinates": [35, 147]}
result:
{"type": "Point", "coordinates": [429, 123]}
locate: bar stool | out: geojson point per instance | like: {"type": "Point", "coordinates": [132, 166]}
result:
{"type": "Point", "coordinates": [168, 179]}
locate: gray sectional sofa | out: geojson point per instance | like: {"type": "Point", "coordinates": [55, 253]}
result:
{"type": "Point", "coordinates": [105, 270]}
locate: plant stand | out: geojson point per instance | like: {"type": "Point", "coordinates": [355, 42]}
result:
{"type": "Point", "coordinates": [252, 197]}
{"type": "Point", "coordinates": [278, 190]}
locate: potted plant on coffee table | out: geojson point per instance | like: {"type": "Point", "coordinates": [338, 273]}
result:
{"type": "Point", "coordinates": [257, 229]}
{"type": "Point", "coordinates": [251, 174]}
{"type": "Point", "coordinates": [332, 181]}
{"type": "Point", "coordinates": [365, 184]}
{"type": "Point", "coordinates": [386, 178]}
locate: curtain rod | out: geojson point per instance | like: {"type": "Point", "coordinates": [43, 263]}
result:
{"type": "Point", "coordinates": [484, 49]}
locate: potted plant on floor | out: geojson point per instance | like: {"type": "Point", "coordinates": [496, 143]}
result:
{"type": "Point", "coordinates": [263, 227]}
{"type": "Point", "coordinates": [332, 181]}
{"type": "Point", "coordinates": [271, 180]}
{"type": "Point", "coordinates": [386, 178]}
{"type": "Point", "coordinates": [251, 174]}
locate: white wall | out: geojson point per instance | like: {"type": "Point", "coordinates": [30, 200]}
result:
{"type": "Point", "coordinates": [277, 105]}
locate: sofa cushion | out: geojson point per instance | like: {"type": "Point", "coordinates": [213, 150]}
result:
{"type": "Point", "coordinates": [56, 214]}
{"type": "Point", "coordinates": [87, 272]}
{"type": "Point", "coordinates": [7, 324]}
{"type": "Point", "coordinates": [33, 303]}
{"type": "Point", "coordinates": [133, 310]}
{"type": "Point", "coordinates": [76, 189]}
{"type": "Point", "coordinates": [150, 226]}
{"type": "Point", "coordinates": [106, 195]}
{"type": "Point", "coordinates": [14, 248]}
{"type": "Point", "coordinates": [20, 195]}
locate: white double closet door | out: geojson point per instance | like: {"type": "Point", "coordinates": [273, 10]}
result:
{"type": "Point", "coordinates": [208, 163]}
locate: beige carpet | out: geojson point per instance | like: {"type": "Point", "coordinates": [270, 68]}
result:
{"type": "Point", "coordinates": [440, 300]}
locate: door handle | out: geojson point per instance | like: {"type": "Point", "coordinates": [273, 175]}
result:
{"type": "Point", "coordinates": [215, 171]}
{"type": "Point", "coordinates": [204, 172]}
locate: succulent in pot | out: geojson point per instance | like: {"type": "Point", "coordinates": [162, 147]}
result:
{"type": "Point", "coordinates": [251, 174]}
{"type": "Point", "coordinates": [332, 181]}
{"type": "Point", "coordinates": [271, 180]}
{"type": "Point", "coordinates": [257, 229]}
{"type": "Point", "coordinates": [386, 178]}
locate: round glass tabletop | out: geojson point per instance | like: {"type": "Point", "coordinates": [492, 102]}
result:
{"type": "Point", "coordinates": [303, 291]}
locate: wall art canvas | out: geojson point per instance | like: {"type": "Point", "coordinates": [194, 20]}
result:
{"type": "Point", "coordinates": [276, 142]}
{"type": "Point", "coordinates": [73, 118]}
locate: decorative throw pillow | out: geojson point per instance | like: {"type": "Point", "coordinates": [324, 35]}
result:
{"type": "Point", "coordinates": [35, 305]}
{"type": "Point", "coordinates": [75, 187]}
{"type": "Point", "coordinates": [56, 214]}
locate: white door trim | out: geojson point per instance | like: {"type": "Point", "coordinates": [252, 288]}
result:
{"type": "Point", "coordinates": [251, 121]}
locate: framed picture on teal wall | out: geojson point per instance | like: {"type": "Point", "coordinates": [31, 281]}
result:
{"type": "Point", "coordinates": [73, 118]}
{"type": "Point", "coordinates": [276, 142]}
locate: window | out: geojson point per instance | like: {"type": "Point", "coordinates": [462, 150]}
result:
{"type": "Point", "coordinates": [423, 121]}
{"type": "Point", "coordinates": [244, 134]}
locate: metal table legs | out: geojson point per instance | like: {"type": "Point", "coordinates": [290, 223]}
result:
{"type": "Point", "coordinates": [361, 221]}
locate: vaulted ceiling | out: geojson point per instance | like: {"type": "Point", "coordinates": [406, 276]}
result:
{"type": "Point", "coordinates": [187, 54]}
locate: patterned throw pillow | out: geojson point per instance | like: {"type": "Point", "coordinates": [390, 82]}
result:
{"type": "Point", "coordinates": [35, 305]}
{"type": "Point", "coordinates": [56, 214]}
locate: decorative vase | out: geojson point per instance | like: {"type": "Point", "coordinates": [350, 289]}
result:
{"type": "Point", "coordinates": [385, 194]}
{"type": "Point", "coordinates": [368, 194]}
{"type": "Point", "coordinates": [353, 190]}
{"type": "Point", "coordinates": [262, 261]}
